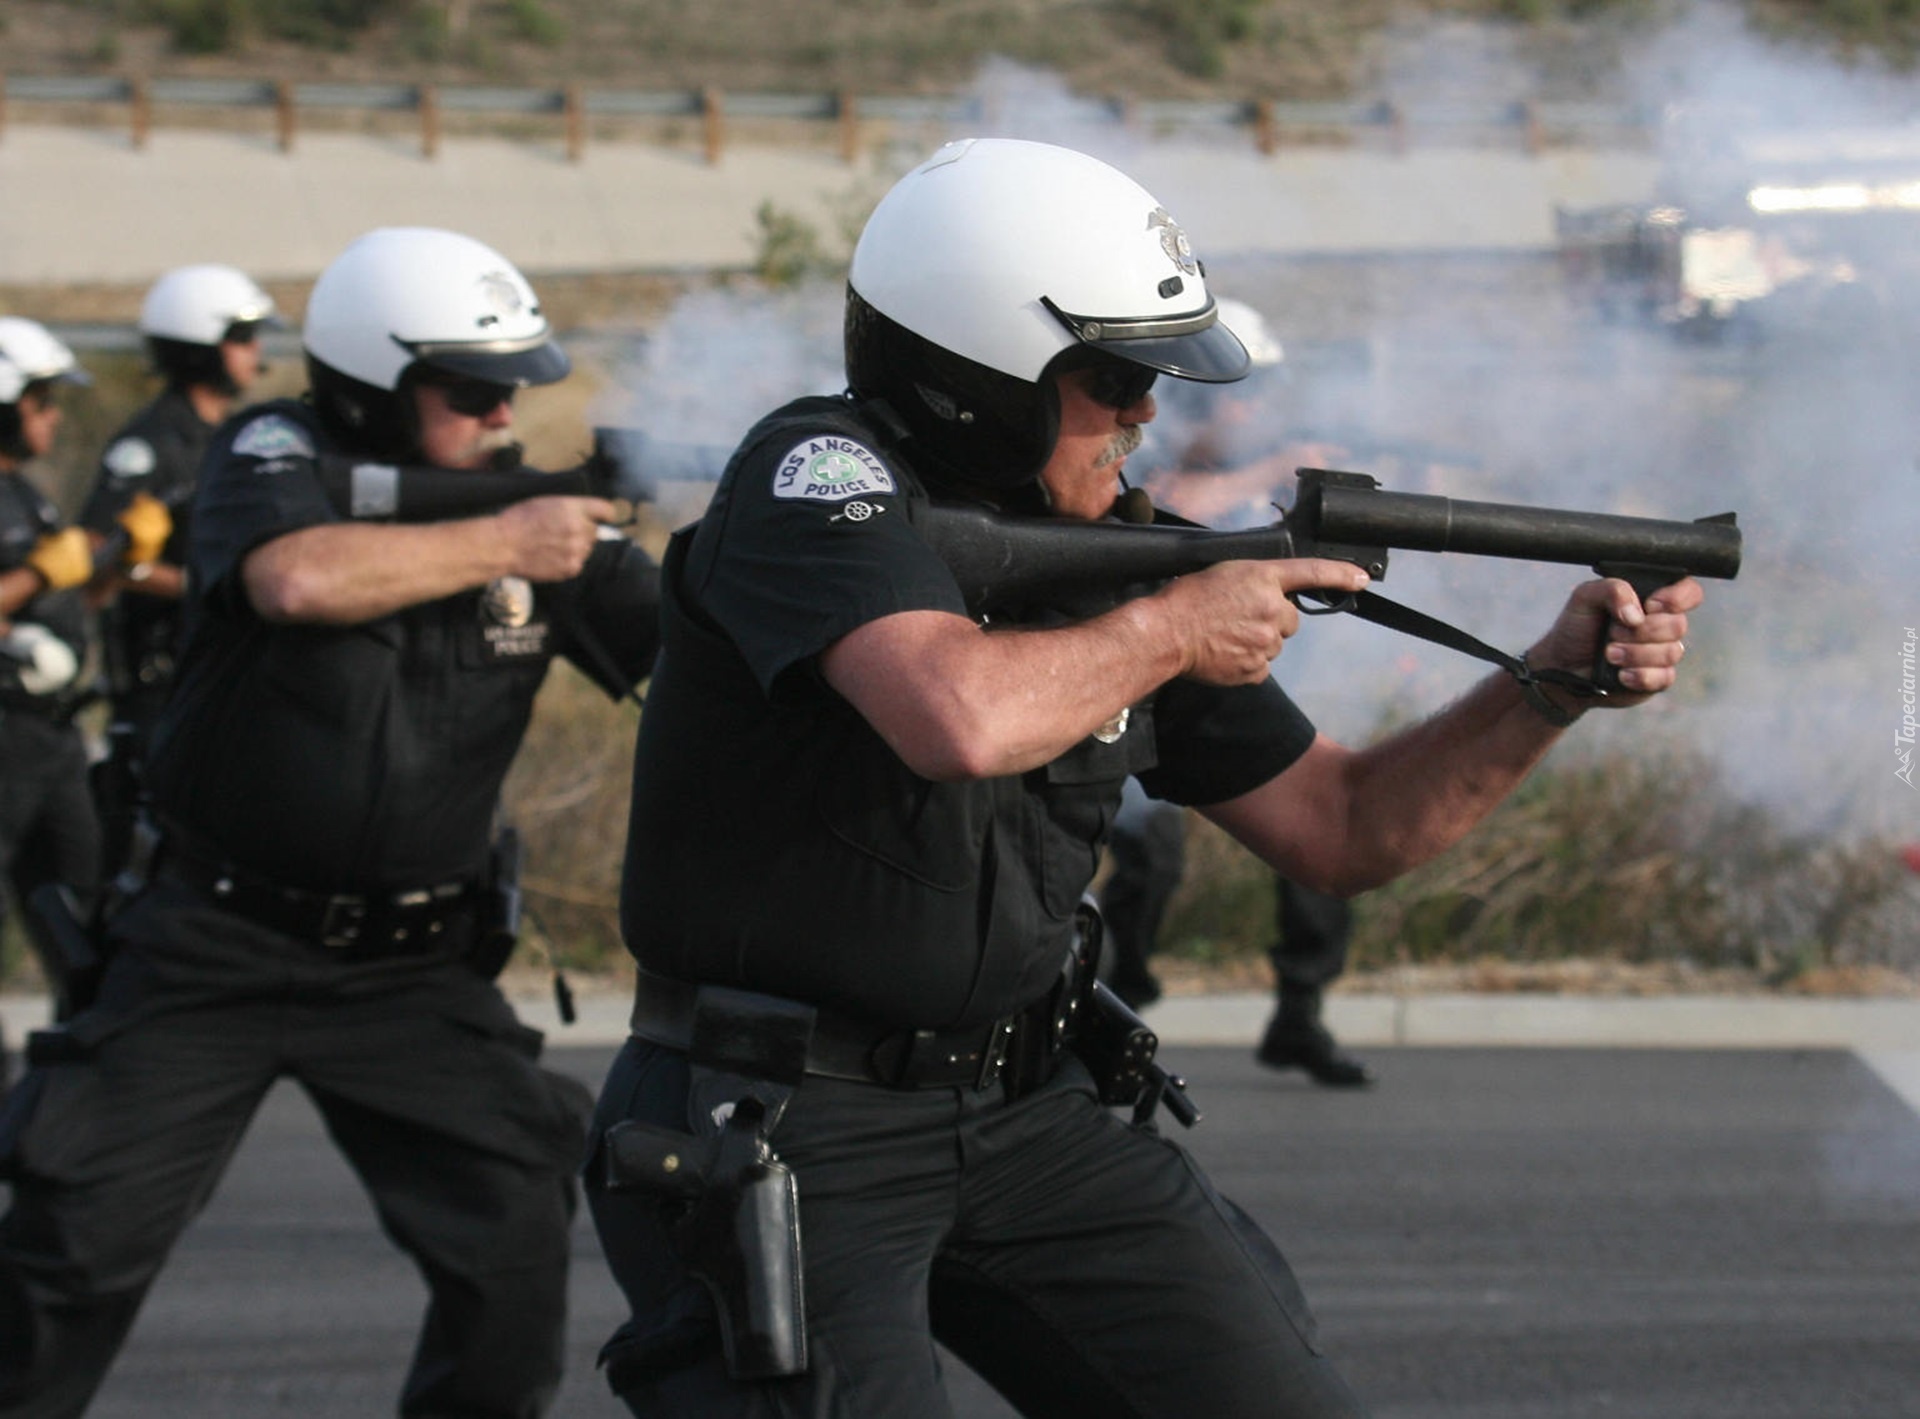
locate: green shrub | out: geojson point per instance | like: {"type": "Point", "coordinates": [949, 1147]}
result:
{"type": "Point", "coordinates": [204, 26]}
{"type": "Point", "coordinates": [535, 23]}
{"type": "Point", "coordinates": [789, 248]}
{"type": "Point", "coordinates": [424, 34]}
{"type": "Point", "coordinates": [1199, 32]}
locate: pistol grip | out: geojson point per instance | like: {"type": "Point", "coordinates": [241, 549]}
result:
{"type": "Point", "coordinates": [1645, 580]}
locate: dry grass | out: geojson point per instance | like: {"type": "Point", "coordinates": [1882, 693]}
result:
{"type": "Point", "coordinates": [1150, 49]}
{"type": "Point", "coordinates": [1611, 873]}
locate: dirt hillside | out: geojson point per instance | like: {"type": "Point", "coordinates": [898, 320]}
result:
{"type": "Point", "coordinates": [1283, 49]}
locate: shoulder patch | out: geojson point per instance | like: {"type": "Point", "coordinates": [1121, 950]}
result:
{"type": "Point", "coordinates": [129, 458]}
{"type": "Point", "coordinates": [273, 436]}
{"type": "Point", "coordinates": [831, 469]}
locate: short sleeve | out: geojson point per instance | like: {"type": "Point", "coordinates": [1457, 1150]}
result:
{"type": "Point", "coordinates": [260, 484]}
{"type": "Point", "coordinates": [1218, 742]}
{"type": "Point", "coordinates": [808, 539]}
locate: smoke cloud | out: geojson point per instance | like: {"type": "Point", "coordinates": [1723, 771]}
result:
{"type": "Point", "coordinates": [1485, 372]}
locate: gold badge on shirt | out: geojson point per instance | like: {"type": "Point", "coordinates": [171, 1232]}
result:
{"type": "Point", "coordinates": [508, 601]}
{"type": "Point", "coordinates": [1110, 732]}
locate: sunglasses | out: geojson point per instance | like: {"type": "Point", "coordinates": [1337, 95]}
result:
{"type": "Point", "coordinates": [1119, 385]}
{"type": "Point", "coordinates": [44, 394]}
{"type": "Point", "coordinates": [473, 398]}
{"type": "Point", "coordinates": [242, 332]}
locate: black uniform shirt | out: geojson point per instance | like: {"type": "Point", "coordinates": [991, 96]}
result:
{"type": "Point", "coordinates": [778, 844]}
{"type": "Point", "coordinates": [369, 757]}
{"type": "Point", "coordinates": [26, 515]}
{"type": "Point", "coordinates": [157, 451]}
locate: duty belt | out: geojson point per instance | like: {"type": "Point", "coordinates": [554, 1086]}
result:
{"type": "Point", "coordinates": [418, 920]}
{"type": "Point", "coordinates": [841, 1048]}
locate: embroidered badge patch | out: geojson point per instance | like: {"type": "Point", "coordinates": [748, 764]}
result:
{"type": "Point", "coordinates": [129, 458]}
{"type": "Point", "coordinates": [273, 436]}
{"type": "Point", "coordinates": [829, 469]}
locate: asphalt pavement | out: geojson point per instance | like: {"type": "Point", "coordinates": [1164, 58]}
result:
{"type": "Point", "coordinates": [1501, 1233]}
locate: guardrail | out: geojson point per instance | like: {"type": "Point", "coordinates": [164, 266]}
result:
{"type": "Point", "coordinates": [1268, 124]}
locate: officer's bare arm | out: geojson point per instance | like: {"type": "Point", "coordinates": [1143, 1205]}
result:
{"type": "Point", "coordinates": [1343, 821]}
{"type": "Point", "coordinates": [955, 701]}
{"type": "Point", "coordinates": [17, 587]}
{"type": "Point", "coordinates": [345, 573]}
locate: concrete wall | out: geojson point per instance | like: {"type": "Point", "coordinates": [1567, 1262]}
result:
{"type": "Point", "coordinates": [80, 205]}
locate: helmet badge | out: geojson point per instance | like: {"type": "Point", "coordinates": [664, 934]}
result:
{"type": "Point", "coordinates": [1173, 241]}
{"type": "Point", "coordinates": [501, 292]}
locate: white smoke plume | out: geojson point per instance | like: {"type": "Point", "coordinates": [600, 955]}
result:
{"type": "Point", "coordinates": [1486, 373]}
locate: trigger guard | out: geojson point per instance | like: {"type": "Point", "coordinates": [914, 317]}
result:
{"type": "Point", "coordinates": [1328, 605]}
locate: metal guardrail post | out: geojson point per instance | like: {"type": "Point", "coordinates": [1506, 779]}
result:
{"type": "Point", "coordinates": [427, 98]}
{"type": "Point", "coordinates": [1395, 118]}
{"type": "Point", "coordinates": [713, 119]}
{"type": "Point", "coordinates": [1540, 125]}
{"type": "Point", "coordinates": [140, 112]}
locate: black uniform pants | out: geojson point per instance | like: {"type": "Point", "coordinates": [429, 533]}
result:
{"type": "Point", "coordinates": [1149, 859]}
{"type": "Point", "coordinates": [48, 830]}
{"type": "Point", "coordinates": [1314, 929]}
{"type": "Point", "coordinates": [1083, 1267]}
{"type": "Point", "coordinates": [426, 1081]}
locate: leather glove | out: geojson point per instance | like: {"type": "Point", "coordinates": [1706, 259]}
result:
{"type": "Point", "coordinates": [63, 559]}
{"type": "Point", "coordinates": [148, 525]}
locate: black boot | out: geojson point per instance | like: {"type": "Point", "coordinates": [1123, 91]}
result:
{"type": "Point", "coordinates": [1296, 1039]}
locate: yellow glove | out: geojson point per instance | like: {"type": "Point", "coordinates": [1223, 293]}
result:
{"type": "Point", "coordinates": [148, 525]}
{"type": "Point", "coordinates": [63, 559]}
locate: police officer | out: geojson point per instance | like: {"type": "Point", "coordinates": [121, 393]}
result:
{"type": "Point", "coordinates": [349, 700]}
{"type": "Point", "coordinates": [863, 824]}
{"type": "Point", "coordinates": [202, 328]}
{"type": "Point", "coordinates": [48, 832]}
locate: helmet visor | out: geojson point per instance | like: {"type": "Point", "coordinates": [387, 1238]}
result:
{"type": "Point", "coordinates": [1194, 346]}
{"type": "Point", "coordinates": [519, 363]}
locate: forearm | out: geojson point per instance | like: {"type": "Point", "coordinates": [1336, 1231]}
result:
{"type": "Point", "coordinates": [17, 587]}
{"type": "Point", "coordinates": [1344, 821]}
{"type": "Point", "coordinates": [343, 574]}
{"type": "Point", "coordinates": [1418, 792]}
{"type": "Point", "coordinates": [164, 582]}
{"type": "Point", "coordinates": [955, 701]}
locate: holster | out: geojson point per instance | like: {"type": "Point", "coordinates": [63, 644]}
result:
{"type": "Point", "coordinates": [738, 1232]}
{"type": "Point", "coordinates": [497, 929]}
{"type": "Point", "coordinates": [1118, 1047]}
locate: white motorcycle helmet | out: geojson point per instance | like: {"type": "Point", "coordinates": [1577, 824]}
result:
{"type": "Point", "coordinates": [29, 355]}
{"type": "Point", "coordinates": [998, 263]}
{"type": "Point", "coordinates": [404, 300]}
{"type": "Point", "coordinates": [191, 311]}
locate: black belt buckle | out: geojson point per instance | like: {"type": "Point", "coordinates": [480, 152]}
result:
{"type": "Point", "coordinates": [342, 921]}
{"type": "Point", "coordinates": [921, 1059]}
{"type": "Point", "coordinates": [994, 1058]}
